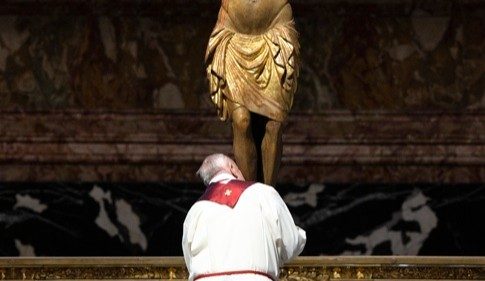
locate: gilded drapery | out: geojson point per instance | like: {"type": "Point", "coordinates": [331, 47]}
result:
{"type": "Point", "coordinates": [258, 72]}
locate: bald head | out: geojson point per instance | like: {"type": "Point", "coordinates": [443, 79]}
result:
{"type": "Point", "coordinates": [215, 164]}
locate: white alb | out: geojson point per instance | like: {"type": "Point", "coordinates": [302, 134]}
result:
{"type": "Point", "coordinates": [258, 234]}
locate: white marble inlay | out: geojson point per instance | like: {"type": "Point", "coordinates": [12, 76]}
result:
{"type": "Point", "coordinates": [414, 209]}
{"type": "Point", "coordinates": [28, 202]}
{"type": "Point", "coordinates": [127, 217]}
{"type": "Point", "coordinates": [25, 250]}
{"type": "Point", "coordinates": [103, 220]}
{"type": "Point", "coordinates": [309, 197]}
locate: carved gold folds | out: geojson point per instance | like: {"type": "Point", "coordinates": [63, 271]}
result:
{"type": "Point", "coordinates": [304, 268]}
{"type": "Point", "coordinates": [258, 72]}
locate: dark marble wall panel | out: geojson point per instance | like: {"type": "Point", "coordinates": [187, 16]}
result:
{"type": "Point", "coordinates": [391, 91]}
{"type": "Point", "coordinates": [56, 219]}
{"type": "Point", "coordinates": [338, 147]}
{"type": "Point", "coordinates": [393, 55]}
{"type": "Point", "coordinates": [66, 61]}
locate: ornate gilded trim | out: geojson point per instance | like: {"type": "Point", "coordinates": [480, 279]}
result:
{"type": "Point", "coordinates": [302, 269]}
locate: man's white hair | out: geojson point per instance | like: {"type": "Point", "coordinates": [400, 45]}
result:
{"type": "Point", "coordinates": [212, 165]}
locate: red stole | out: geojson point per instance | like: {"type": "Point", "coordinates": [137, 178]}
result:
{"type": "Point", "coordinates": [226, 193]}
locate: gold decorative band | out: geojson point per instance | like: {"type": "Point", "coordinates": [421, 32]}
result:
{"type": "Point", "coordinates": [302, 269]}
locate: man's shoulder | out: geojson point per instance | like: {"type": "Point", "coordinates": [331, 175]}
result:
{"type": "Point", "coordinates": [202, 208]}
{"type": "Point", "coordinates": [262, 188]}
{"type": "Point", "coordinates": [262, 195]}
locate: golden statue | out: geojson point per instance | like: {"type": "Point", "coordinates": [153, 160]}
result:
{"type": "Point", "coordinates": [252, 67]}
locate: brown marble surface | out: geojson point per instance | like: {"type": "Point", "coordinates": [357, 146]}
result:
{"type": "Point", "coordinates": [339, 146]}
{"type": "Point", "coordinates": [390, 91]}
{"type": "Point", "coordinates": [375, 55]}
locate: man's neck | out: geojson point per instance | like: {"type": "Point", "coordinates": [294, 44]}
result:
{"type": "Point", "coordinates": [222, 176]}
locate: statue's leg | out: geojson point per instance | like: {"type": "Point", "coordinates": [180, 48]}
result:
{"type": "Point", "coordinates": [243, 143]}
{"type": "Point", "coordinates": [272, 146]}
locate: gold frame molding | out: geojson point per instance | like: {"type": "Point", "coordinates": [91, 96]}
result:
{"type": "Point", "coordinates": [302, 269]}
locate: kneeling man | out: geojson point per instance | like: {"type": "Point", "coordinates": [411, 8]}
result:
{"type": "Point", "coordinates": [238, 230]}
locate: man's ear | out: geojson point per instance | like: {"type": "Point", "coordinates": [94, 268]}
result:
{"type": "Point", "coordinates": [236, 172]}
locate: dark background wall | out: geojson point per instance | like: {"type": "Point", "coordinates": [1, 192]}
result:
{"type": "Point", "coordinates": [392, 55]}
{"type": "Point", "coordinates": [104, 117]}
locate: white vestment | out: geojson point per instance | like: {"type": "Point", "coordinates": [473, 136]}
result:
{"type": "Point", "coordinates": [258, 234]}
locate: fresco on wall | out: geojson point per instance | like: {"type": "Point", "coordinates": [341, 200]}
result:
{"type": "Point", "coordinates": [420, 56]}
{"type": "Point", "coordinates": [146, 219]}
